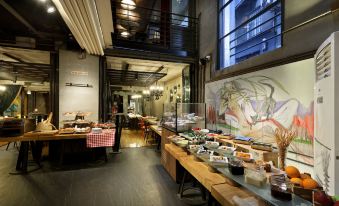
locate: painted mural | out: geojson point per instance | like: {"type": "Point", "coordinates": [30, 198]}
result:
{"type": "Point", "coordinates": [257, 103]}
{"type": "Point", "coordinates": [10, 100]}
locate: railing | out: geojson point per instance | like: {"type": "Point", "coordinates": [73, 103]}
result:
{"type": "Point", "coordinates": [150, 29]}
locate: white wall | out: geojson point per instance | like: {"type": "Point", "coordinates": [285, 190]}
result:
{"type": "Point", "coordinates": [157, 106]}
{"type": "Point", "coordinates": [73, 99]}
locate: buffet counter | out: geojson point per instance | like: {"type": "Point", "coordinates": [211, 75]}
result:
{"type": "Point", "coordinates": [220, 182]}
{"type": "Point", "coordinates": [223, 185]}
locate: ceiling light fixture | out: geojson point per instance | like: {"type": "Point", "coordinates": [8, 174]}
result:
{"type": "Point", "coordinates": [50, 9]}
{"type": "Point", "coordinates": [136, 96]}
{"type": "Point", "coordinates": [156, 91]}
{"type": "Point", "coordinates": [2, 88]}
{"type": "Point", "coordinates": [29, 92]}
{"type": "Point", "coordinates": [128, 4]}
{"type": "Point", "coordinates": [43, 1]}
{"type": "Point", "coordinates": [125, 34]}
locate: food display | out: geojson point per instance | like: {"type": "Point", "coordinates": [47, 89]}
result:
{"type": "Point", "coordinates": [256, 178]}
{"type": "Point", "coordinates": [66, 131]}
{"type": "Point", "coordinates": [218, 159]}
{"type": "Point", "coordinates": [227, 150]}
{"type": "Point", "coordinates": [182, 143]}
{"type": "Point", "coordinates": [82, 130]}
{"type": "Point", "coordinates": [243, 140]}
{"type": "Point", "coordinates": [236, 167]}
{"type": "Point", "coordinates": [96, 130]}
{"type": "Point", "coordinates": [280, 187]}
{"type": "Point", "coordinates": [226, 136]}
{"type": "Point", "coordinates": [105, 125]}
{"type": "Point", "coordinates": [262, 146]}
{"type": "Point", "coordinates": [303, 183]}
{"type": "Point", "coordinates": [194, 148]}
{"type": "Point", "coordinates": [212, 144]}
{"type": "Point", "coordinates": [247, 157]}
{"type": "Point", "coordinates": [180, 117]}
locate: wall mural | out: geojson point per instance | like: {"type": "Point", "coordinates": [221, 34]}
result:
{"type": "Point", "coordinates": [257, 103]}
{"type": "Point", "coordinates": [10, 100]}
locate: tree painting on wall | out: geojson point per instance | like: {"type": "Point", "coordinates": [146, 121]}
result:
{"type": "Point", "coordinates": [256, 104]}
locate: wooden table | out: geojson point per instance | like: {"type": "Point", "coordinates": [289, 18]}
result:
{"type": "Point", "coordinates": [156, 129]}
{"type": "Point", "coordinates": [36, 138]}
{"type": "Point", "coordinates": [158, 133]}
{"type": "Point", "coordinates": [151, 121]}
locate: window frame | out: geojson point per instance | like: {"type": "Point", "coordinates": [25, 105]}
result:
{"type": "Point", "coordinates": [219, 39]}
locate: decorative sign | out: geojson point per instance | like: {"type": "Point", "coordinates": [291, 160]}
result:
{"type": "Point", "coordinates": [79, 73]}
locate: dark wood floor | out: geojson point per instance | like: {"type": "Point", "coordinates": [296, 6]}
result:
{"type": "Point", "coordinates": [134, 177]}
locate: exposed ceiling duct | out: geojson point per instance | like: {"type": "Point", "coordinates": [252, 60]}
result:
{"type": "Point", "coordinates": [82, 19]}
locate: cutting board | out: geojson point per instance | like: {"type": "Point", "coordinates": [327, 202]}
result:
{"type": "Point", "coordinates": [42, 133]}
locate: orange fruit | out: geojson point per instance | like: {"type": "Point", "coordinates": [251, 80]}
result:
{"type": "Point", "coordinates": [297, 181]}
{"type": "Point", "coordinates": [310, 184]}
{"type": "Point", "coordinates": [292, 172]}
{"type": "Point", "coordinates": [305, 176]}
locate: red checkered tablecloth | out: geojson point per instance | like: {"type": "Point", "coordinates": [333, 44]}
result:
{"type": "Point", "coordinates": [104, 139]}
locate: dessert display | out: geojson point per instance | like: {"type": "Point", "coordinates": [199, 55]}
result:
{"type": "Point", "coordinates": [226, 136]}
{"type": "Point", "coordinates": [82, 130]}
{"type": "Point", "coordinates": [218, 159]}
{"type": "Point", "coordinates": [66, 131]}
{"type": "Point", "coordinates": [183, 116]}
{"type": "Point", "coordinates": [262, 146]}
{"type": "Point", "coordinates": [280, 187]}
{"type": "Point", "coordinates": [212, 144]}
{"type": "Point", "coordinates": [243, 140]}
{"type": "Point", "coordinates": [105, 125]}
{"type": "Point", "coordinates": [227, 150]}
{"type": "Point", "coordinates": [236, 167]}
{"type": "Point", "coordinates": [257, 178]}
{"type": "Point", "coordinates": [194, 148]}
{"type": "Point", "coordinates": [182, 143]}
{"type": "Point", "coordinates": [247, 157]}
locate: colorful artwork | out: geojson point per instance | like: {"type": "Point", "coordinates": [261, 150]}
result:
{"type": "Point", "coordinates": [10, 100]}
{"type": "Point", "coordinates": [255, 104]}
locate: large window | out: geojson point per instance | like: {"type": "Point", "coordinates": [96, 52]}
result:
{"type": "Point", "coordinates": [247, 28]}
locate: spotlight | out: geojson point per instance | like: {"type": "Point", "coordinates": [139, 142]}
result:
{"type": "Point", "coordinates": [128, 4]}
{"type": "Point", "coordinates": [125, 34]}
{"type": "Point", "coordinates": [50, 9]}
{"type": "Point", "coordinates": [2, 88]}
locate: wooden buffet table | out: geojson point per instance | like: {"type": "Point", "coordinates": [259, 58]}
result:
{"type": "Point", "coordinates": [36, 139]}
{"type": "Point", "coordinates": [151, 121]}
{"type": "Point", "coordinates": [224, 186]}
{"type": "Point", "coordinates": [156, 129]}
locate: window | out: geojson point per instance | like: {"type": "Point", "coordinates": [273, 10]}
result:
{"type": "Point", "coordinates": [247, 28]}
